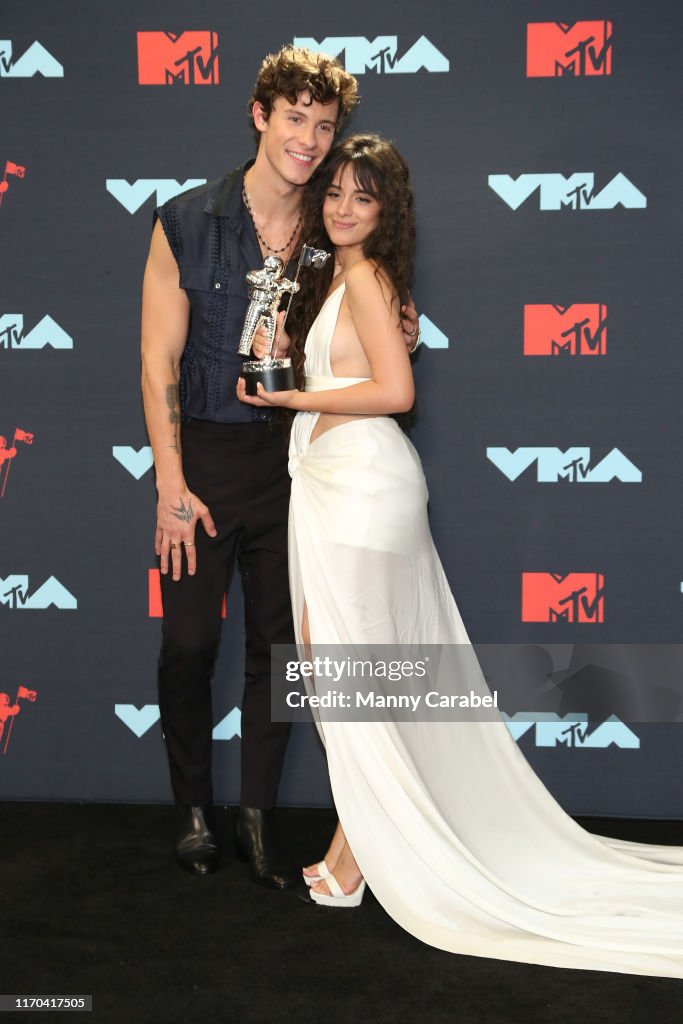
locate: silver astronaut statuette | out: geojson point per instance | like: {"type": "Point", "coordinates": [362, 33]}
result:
{"type": "Point", "coordinates": [266, 288]}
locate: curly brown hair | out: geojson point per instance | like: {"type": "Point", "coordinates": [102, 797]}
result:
{"type": "Point", "coordinates": [293, 70]}
{"type": "Point", "coordinates": [381, 171]}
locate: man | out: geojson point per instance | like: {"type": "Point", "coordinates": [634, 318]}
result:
{"type": "Point", "coordinates": [227, 467]}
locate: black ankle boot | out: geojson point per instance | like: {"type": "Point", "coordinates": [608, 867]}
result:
{"type": "Point", "coordinates": [196, 847]}
{"type": "Point", "coordinates": [254, 844]}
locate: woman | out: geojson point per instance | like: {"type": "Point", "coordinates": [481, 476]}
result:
{"type": "Point", "coordinates": [450, 827]}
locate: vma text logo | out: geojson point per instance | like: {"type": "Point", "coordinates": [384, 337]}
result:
{"type": "Point", "coordinates": [380, 54]}
{"type": "Point", "coordinates": [186, 58]}
{"type": "Point", "coordinates": [141, 720]}
{"type": "Point", "coordinates": [549, 730]}
{"type": "Point", "coordinates": [576, 330]}
{"type": "Point", "coordinates": [14, 593]}
{"type": "Point", "coordinates": [136, 462]}
{"type": "Point", "coordinates": [134, 195]}
{"type": "Point", "coordinates": [555, 48]}
{"type": "Point", "coordinates": [46, 332]}
{"type": "Point", "coordinates": [571, 466]}
{"type": "Point", "coordinates": [36, 61]}
{"type": "Point", "coordinates": [577, 192]}
{"type": "Point", "coordinates": [558, 597]}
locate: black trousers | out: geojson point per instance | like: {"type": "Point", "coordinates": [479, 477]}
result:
{"type": "Point", "coordinates": [240, 472]}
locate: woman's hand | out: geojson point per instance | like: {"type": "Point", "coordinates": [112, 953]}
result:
{"type": "Point", "coordinates": [286, 399]}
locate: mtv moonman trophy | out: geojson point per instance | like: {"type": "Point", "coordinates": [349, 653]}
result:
{"type": "Point", "coordinates": [266, 289]}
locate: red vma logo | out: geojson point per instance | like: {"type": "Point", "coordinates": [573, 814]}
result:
{"type": "Point", "coordinates": [577, 330]}
{"type": "Point", "coordinates": [8, 712]}
{"type": "Point", "coordinates": [7, 454]}
{"type": "Point", "coordinates": [156, 610]}
{"type": "Point", "coordinates": [189, 58]}
{"type": "Point", "coordinates": [10, 169]}
{"type": "Point", "coordinates": [555, 48]}
{"type": "Point", "coordinates": [555, 597]}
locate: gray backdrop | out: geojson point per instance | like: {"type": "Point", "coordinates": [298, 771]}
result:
{"type": "Point", "coordinates": [467, 93]}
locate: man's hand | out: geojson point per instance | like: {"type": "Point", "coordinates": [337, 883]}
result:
{"type": "Point", "coordinates": [177, 516]}
{"type": "Point", "coordinates": [411, 325]}
{"type": "Point", "coordinates": [261, 345]}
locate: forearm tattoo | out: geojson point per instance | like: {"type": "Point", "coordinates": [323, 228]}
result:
{"type": "Point", "coordinates": [186, 515]}
{"type": "Point", "coordinates": [173, 403]}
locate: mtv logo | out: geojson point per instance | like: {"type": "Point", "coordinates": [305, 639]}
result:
{"type": "Point", "coordinates": [431, 336]}
{"type": "Point", "coordinates": [46, 332]}
{"type": "Point", "coordinates": [379, 55]}
{"type": "Point", "coordinates": [133, 196]}
{"type": "Point", "coordinates": [185, 58]}
{"type": "Point", "coordinates": [577, 192]}
{"type": "Point", "coordinates": [570, 731]}
{"type": "Point", "coordinates": [571, 466]}
{"type": "Point", "coordinates": [555, 597]}
{"type": "Point", "coordinates": [156, 610]}
{"type": "Point", "coordinates": [555, 48]}
{"type": "Point", "coordinates": [36, 61]}
{"type": "Point", "coordinates": [14, 594]}
{"type": "Point", "coordinates": [576, 330]}
{"type": "Point", "coordinates": [136, 462]}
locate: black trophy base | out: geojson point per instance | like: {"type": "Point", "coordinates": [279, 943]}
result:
{"type": "Point", "coordinates": [274, 374]}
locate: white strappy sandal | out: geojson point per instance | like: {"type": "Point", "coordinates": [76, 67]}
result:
{"type": "Point", "coordinates": [339, 898]}
{"type": "Point", "coordinates": [323, 872]}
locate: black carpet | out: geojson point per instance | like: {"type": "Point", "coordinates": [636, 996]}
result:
{"type": "Point", "coordinates": [92, 903]}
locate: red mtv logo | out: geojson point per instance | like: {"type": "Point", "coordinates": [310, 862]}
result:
{"type": "Point", "coordinates": [10, 169]}
{"type": "Point", "coordinates": [554, 597]}
{"type": "Point", "coordinates": [190, 58]}
{"type": "Point", "coordinates": [156, 610]}
{"type": "Point", "coordinates": [578, 330]}
{"type": "Point", "coordinates": [8, 711]}
{"type": "Point", "coordinates": [7, 454]}
{"type": "Point", "coordinates": [556, 48]}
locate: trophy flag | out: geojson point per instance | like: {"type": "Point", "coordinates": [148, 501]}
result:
{"type": "Point", "coordinates": [309, 257]}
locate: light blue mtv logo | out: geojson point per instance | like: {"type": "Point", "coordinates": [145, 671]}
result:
{"type": "Point", "coordinates": [36, 61]}
{"type": "Point", "coordinates": [141, 720]}
{"type": "Point", "coordinates": [136, 462]}
{"type": "Point", "coordinates": [431, 335]}
{"type": "Point", "coordinates": [133, 195]}
{"type": "Point", "coordinates": [572, 465]}
{"type": "Point", "coordinates": [380, 54]}
{"type": "Point", "coordinates": [14, 593]}
{"type": "Point", "coordinates": [577, 192]}
{"type": "Point", "coordinates": [46, 332]}
{"type": "Point", "coordinates": [550, 730]}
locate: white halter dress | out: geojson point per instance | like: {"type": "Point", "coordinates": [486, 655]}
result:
{"type": "Point", "coordinates": [453, 831]}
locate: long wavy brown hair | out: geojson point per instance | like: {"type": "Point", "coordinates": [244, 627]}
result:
{"type": "Point", "coordinates": [380, 170]}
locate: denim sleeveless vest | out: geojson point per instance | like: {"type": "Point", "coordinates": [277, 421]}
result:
{"type": "Point", "coordinates": [214, 244]}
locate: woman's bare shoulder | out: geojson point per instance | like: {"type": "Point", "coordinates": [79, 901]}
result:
{"type": "Point", "coordinates": [366, 279]}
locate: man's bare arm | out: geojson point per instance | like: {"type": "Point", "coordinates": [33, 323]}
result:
{"type": "Point", "coordinates": [165, 318]}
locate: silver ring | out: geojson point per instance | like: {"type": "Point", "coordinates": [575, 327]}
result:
{"type": "Point", "coordinates": [188, 543]}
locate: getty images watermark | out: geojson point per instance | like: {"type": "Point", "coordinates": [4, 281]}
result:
{"type": "Point", "coordinates": [380, 683]}
{"type": "Point", "coordinates": [488, 682]}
